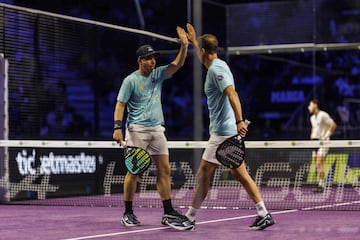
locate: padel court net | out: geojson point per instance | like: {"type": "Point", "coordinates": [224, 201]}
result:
{"type": "Point", "coordinates": [80, 173]}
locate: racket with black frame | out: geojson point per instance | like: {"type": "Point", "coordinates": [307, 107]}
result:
{"type": "Point", "coordinates": [137, 160]}
{"type": "Point", "coordinates": [231, 152]}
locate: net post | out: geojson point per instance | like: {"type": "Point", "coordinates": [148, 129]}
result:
{"type": "Point", "coordinates": [197, 91]}
{"type": "Point", "coordinates": [4, 159]}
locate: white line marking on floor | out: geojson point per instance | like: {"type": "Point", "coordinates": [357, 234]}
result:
{"type": "Point", "coordinates": [212, 221]}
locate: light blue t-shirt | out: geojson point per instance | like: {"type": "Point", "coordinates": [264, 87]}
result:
{"type": "Point", "coordinates": [142, 96]}
{"type": "Point", "coordinates": [221, 114]}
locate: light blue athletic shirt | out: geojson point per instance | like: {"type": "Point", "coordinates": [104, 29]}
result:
{"type": "Point", "coordinates": [222, 118]}
{"type": "Point", "coordinates": [142, 96]}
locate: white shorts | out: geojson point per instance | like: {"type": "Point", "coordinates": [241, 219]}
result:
{"type": "Point", "coordinates": [322, 152]}
{"type": "Point", "coordinates": [152, 139]}
{"type": "Point", "coordinates": [209, 154]}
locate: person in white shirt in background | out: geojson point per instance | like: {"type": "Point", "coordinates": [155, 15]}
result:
{"type": "Point", "coordinates": [322, 127]}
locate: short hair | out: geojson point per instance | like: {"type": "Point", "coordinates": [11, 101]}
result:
{"type": "Point", "coordinates": [316, 101]}
{"type": "Point", "coordinates": [209, 42]}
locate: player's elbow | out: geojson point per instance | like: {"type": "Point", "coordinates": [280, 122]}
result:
{"type": "Point", "coordinates": [173, 68]}
{"type": "Point", "coordinates": [334, 126]}
{"type": "Point", "coordinates": [232, 94]}
{"type": "Point", "coordinates": [177, 64]}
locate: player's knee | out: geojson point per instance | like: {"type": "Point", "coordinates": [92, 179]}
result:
{"type": "Point", "coordinates": [130, 177]}
{"type": "Point", "coordinates": [164, 171]}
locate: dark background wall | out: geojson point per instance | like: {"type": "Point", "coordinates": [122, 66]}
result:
{"type": "Point", "coordinates": [64, 77]}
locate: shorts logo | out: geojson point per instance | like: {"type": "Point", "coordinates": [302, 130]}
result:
{"type": "Point", "coordinates": [219, 77]}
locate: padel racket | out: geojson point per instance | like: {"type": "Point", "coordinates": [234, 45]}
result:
{"type": "Point", "coordinates": [137, 160]}
{"type": "Point", "coordinates": [231, 152]}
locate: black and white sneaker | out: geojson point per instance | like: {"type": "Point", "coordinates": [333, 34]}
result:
{"type": "Point", "coordinates": [178, 221]}
{"type": "Point", "coordinates": [130, 220]}
{"type": "Point", "coordinates": [261, 223]}
{"type": "Point", "coordinates": [172, 215]}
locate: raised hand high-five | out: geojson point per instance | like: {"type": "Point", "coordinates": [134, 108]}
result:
{"type": "Point", "coordinates": [191, 35]}
{"type": "Point", "coordinates": [183, 40]}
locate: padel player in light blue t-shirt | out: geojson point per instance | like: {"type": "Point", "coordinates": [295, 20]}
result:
{"type": "Point", "coordinates": [221, 114]}
{"type": "Point", "coordinates": [143, 97]}
{"type": "Point", "coordinates": [225, 113]}
{"type": "Point", "coordinates": [140, 94]}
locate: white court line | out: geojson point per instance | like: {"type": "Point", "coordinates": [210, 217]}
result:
{"type": "Point", "coordinates": [117, 233]}
{"type": "Point", "coordinates": [159, 228]}
{"type": "Point", "coordinates": [212, 221]}
{"type": "Point", "coordinates": [331, 205]}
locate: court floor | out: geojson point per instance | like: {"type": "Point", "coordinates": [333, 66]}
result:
{"type": "Point", "coordinates": [65, 222]}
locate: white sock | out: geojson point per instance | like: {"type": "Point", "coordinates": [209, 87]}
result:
{"type": "Point", "coordinates": [261, 209]}
{"type": "Point", "coordinates": [191, 213]}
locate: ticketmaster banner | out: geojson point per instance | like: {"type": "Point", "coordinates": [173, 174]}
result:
{"type": "Point", "coordinates": [40, 173]}
{"type": "Point", "coordinates": [284, 177]}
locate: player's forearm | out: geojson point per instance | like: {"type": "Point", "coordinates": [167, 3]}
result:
{"type": "Point", "coordinates": [236, 105]}
{"type": "Point", "coordinates": [118, 122]}
{"type": "Point", "coordinates": [197, 49]}
{"type": "Point", "coordinates": [119, 111]}
{"type": "Point", "coordinates": [179, 61]}
{"type": "Point", "coordinates": [331, 130]}
{"type": "Point", "coordinates": [333, 127]}
{"type": "Point", "coordinates": [181, 56]}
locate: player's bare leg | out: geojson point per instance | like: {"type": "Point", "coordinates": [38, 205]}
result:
{"type": "Point", "coordinates": [264, 218]}
{"type": "Point", "coordinates": [203, 177]}
{"type": "Point", "coordinates": [130, 184]}
{"type": "Point", "coordinates": [163, 183]}
{"type": "Point", "coordinates": [170, 217]}
{"type": "Point", "coordinates": [320, 161]}
{"type": "Point", "coordinates": [242, 175]}
{"type": "Point", "coordinates": [129, 219]}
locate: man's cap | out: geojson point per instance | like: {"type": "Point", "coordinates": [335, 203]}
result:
{"type": "Point", "coordinates": [145, 51]}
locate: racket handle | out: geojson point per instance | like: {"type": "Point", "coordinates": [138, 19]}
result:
{"type": "Point", "coordinates": [123, 144]}
{"type": "Point", "coordinates": [247, 123]}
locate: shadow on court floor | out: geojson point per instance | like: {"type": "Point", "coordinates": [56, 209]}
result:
{"type": "Point", "coordinates": [54, 222]}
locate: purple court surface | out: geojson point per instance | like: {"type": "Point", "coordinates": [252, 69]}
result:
{"type": "Point", "coordinates": [66, 222]}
